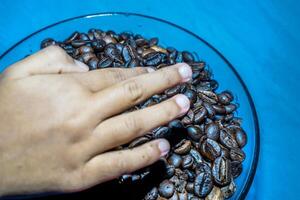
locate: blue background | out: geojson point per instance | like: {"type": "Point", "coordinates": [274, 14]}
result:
{"type": "Point", "coordinates": [260, 38]}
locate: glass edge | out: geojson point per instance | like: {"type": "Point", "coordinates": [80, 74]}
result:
{"type": "Point", "coordinates": [252, 105]}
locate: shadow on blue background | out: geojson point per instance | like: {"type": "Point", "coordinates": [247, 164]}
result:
{"type": "Point", "coordinates": [260, 38]}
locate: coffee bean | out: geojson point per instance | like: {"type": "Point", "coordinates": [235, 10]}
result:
{"type": "Point", "coordinates": [187, 57]}
{"type": "Point", "coordinates": [170, 171]}
{"type": "Point", "coordinates": [175, 160]}
{"type": "Point", "coordinates": [229, 190]}
{"type": "Point", "coordinates": [225, 97]}
{"type": "Point", "coordinates": [227, 139]}
{"type": "Point", "coordinates": [203, 184]}
{"type": "Point", "coordinates": [139, 141]}
{"type": "Point", "coordinates": [183, 147]}
{"type": "Point", "coordinates": [175, 124]}
{"type": "Point", "coordinates": [236, 168]}
{"type": "Point", "coordinates": [241, 137]}
{"type": "Point", "coordinates": [215, 194]}
{"type": "Point", "coordinates": [237, 154]}
{"type": "Point", "coordinates": [191, 95]}
{"type": "Point", "coordinates": [93, 63]}
{"type": "Point", "coordinates": [196, 155]}
{"type": "Point", "coordinates": [47, 42]}
{"type": "Point", "coordinates": [152, 195]}
{"type": "Point", "coordinates": [194, 132]}
{"type": "Point", "coordinates": [212, 131]}
{"type": "Point", "coordinates": [200, 114]}
{"type": "Point", "coordinates": [210, 149]}
{"type": "Point", "coordinates": [221, 171]}
{"type": "Point", "coordinates": [166, 189]}
{"type": "Point", "coordinates": [187, 161]}
{"type": "Point", "coordinates": [72, 37]}
{"type": "Point", "coordinates": [153, 41]}
{"type": "Point", "coordinates": [105, 62]}
{"type": "Point", "coordinates": [189, 187]}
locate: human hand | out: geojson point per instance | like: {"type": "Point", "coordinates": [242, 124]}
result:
{"type": "Point", "coordinates": [59, 123]}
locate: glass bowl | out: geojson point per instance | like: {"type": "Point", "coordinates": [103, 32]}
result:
{"type": "Point", "coordinates": [169, 34]}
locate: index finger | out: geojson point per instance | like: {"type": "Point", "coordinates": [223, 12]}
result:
{"type": "Point", "coordinates": [121, 96]}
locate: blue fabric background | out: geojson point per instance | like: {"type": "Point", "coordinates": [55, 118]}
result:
{"type": "Point", "coordinates": [260, 38]}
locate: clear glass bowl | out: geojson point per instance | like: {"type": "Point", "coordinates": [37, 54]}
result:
{"type": "Point", "coordinates": [169, 34]}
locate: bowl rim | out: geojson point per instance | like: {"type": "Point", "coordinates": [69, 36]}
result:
{"type": "Point", "coordinates": [252, 105]}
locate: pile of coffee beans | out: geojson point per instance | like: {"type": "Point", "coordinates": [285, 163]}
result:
{"type": "Point", "coordinates": [206, 144]}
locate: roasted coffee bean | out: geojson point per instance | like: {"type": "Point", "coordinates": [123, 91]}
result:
{"type": "Point", "coordinates": [187, 57]}
{"type": "Point", "coordinates": [203, 184]}
{"type": "Point", "coordinates": [215, 194]}
{"type": "Point", "coordinates": [190, 187]}
{"type": "Point", "coordinates": [170, 171]}
{"type": "Point", "coordinates": [212, 131]}
{"type": "Point", "coordinates": [173, 91]}
{"type": "Point", "coordinates": [196, 155]}
{"type": "Point", "coordinates": [237, 154]}
{"type": "Point", "coordinates": [175, 160]}
{"type": "Point", "coordinates": [162, 132]}
{"type": "Point", "coordinates": [203, 167]}
{"type": "Point", "coordinates": [153, 41]}
{"type": "Point", "coordinates": [208, 96]}
{"type": "Point", "coordinates": [175, 124]}
{"type": "Point", "coordinates": [191, 174]}
{"type": "Point", "coordinates": [225, 97]}
{"type": "Point", "coordinates": [236, 168]}
{"type": "Point", "coordinates": [78, 43]}
{"type": "Point", "coordinates": [47, 42]}
{"type": "Point", "coordinates": [230, 108]}
{"type": "Point", "coordinates": [174, 197]}
{"type": "Point", "coordinates": [93, 63]}
{"type": "Point", "coordinates": [72, 37]}
{"type": "Point", "coordinates": [210, 110]}
{"type": "Point", "coordinates": [183, 147]}
{"type": "Point", "coordinates": [227, 139]}
{"type": "Point", "coordinates": [153, 59]}
{"type": "Point", "coordinates": [139, 141]}
{"type": "Point", "coordinates": [219, 109]}
{"type": "Point", "coordinates": [200, 114]}
{"type": "Point", "coordinates": [187, 161]}
{"type": "Point", "coordinates": [108, 39]}
{"type": "Point", "coordinates": [105, 62]}
{"type": "Point", "coordinates": [166, 189]}
{"type": "Point", "coordinates": [85, 49]}
{"type": "Point", "coordinates": [159, 49]}
{"type": "Point", "coordinates": [87, 56]}
{"type": "Point", "coordinates": [112, 52]}
{"type": "Point", "coordinates": [191, 95]}
{"type": "Point", "coordinates": [98, 45]}
{"type": "Point", "coordinates": [152, 195]}
{"type": "Point", "coordinates": [183, 195]}
{"type": "Point", "coordinates": [83, 36]}
{"type": "Point", "coordinates": [221, 171]}
{"type": "Point", "coordinates": [228, 190]}
{"type": "Point", "coordinates": [189, 118]}
{"type": "Point", "coordinates": [210, 149]}
{"type": "Point", "coordinates": [240, 137]}
{"type": "Point", "coordinates": [194, 132]}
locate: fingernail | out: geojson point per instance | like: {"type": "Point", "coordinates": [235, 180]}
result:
{"type": "Point", "coordinates": [149, 69]}
{"type": "Point", "coordinates": [185, 72]}
{"type": "Point", "coordinates": [83, 67]}
{"type": "Point", "coordinates": [183, 102]}
{"type": "Point", "coordinates": [164, 147]}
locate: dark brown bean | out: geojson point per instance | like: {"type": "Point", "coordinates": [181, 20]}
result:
{"type": "Point", "coordinates": [221, 171]}
{"type": "Point", "coordinates": [237, 154]}
{"type": "Point", "coordinates": [152, 195]}
{"type": "Point", "coordinates": [194, 132]}
{"type": "Point", "coordinates": [183, 147]}
{"type": "Point", "coordinates": [241, 137]}
{"type": "Point", "coordinates": [187, 161]}
{"type": "Point", "coordinates": [203, 184]}
{"type": "Point", "coordinates": [212, 131]}
{"type": "Point", "coordinates": [227, 139]}
{"type": "Point", "coordinates": [166, 189]}
{"type": "Point", "coordinates": [210, 149]}
{"type": "Point", "coordinates": [236, 168]}
{"type": "Point", "coordinates": [187, 57]}
{"type": "Point", "coordinates": [228, 190]}
{"type": "Point", "coordinates": [175, 160]}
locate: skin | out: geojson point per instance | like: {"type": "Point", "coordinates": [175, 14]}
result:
{"type": "Point", "coordinates": [60, 123]}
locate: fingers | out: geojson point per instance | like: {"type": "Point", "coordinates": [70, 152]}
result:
{"type": "Point", "coordinates": [113, 164]}
{"type": "Point", "coordinates": [99, 79]}
{"type": "Point", "coordinates": [126, 94]}
{"type": "Point", "coordinates": [126, 127]}
{"type": "Point", "coordinates": [51, 60]}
